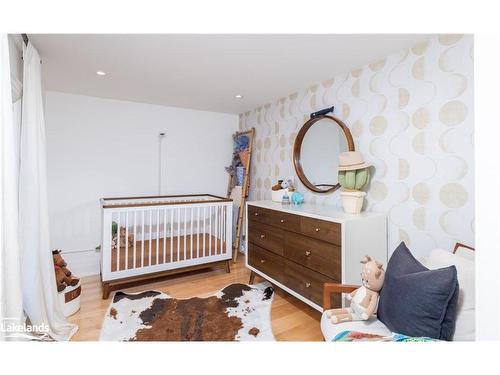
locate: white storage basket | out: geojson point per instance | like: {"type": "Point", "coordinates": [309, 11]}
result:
{"type": "Point", "coordinates": [277, 195]}
{"type": "Point", "coordinates": [69, 299]}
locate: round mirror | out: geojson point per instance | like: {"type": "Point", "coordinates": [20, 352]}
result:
{"type": "Point", "coordinates": [316, 152]}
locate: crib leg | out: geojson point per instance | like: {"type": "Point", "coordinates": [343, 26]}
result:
{"type": "Point", "coordinates": [105, 290]}
{"type": "Point", "coordinates": [228, 266]}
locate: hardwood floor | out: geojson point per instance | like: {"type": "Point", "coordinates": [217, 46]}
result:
{"type": "Point", "coordinates": [292, 320]}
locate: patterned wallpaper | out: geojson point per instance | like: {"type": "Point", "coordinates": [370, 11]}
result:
{"type": "Point", "coordinates": [411, 114]}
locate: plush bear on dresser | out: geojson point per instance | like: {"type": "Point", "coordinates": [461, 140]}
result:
{"type": "Point", "coordinates": [364, 300]}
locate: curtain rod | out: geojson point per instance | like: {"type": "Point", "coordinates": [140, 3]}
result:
{"type": "Point", "coordinates": [25, 38]}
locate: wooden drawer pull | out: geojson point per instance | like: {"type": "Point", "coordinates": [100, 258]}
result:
{"type": "Point", "coordinates": [262, 236]}
{"type": "Point", "coordinates": [282, 221]}
{"type": "Point", "coordinates": [307, 253]}
{"type": "Point", "coordinates": [317, 229]}
{"type": "Point", "coordinates": [256, 214]}
{"type": "Point", "coordinates": [263, 261]}
{"type": "Point", "coordinates": [308, 285]}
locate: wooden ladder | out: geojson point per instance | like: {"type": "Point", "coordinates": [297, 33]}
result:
{"type": "Point", "coordinates": [244, 191]}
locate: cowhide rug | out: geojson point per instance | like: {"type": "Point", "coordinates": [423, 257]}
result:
{"type": "Point", "coordinates": [239, 312]}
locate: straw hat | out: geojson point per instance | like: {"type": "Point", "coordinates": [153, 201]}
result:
{"type": "Point", "coordinates": [351, 160]}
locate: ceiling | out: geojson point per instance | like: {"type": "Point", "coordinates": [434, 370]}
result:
{"type": "Point", "coordinates": [205, 72]}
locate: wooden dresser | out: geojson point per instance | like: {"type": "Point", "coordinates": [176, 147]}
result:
{"type": "Point", "coordinates": [299, 248]}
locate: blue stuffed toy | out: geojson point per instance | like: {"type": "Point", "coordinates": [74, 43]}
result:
{"type": "Point", "coordinates": [297, 198]}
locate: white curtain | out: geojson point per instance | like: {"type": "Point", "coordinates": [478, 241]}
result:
{"type": "Point", "coordinates": [11, 310]}
{"type": "Point", "coordinates": [40, 298]}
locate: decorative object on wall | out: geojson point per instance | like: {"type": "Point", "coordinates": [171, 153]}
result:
{"type": "Point", "coordinates": [316, 150]}
{"type": "Point", "coordinates": [353, 175]}
{"type": "Point", "coordinates": [412, 116]}
{"type": "Point", "coordinates": [238, 312]}
{"type": "Point", "coordinates": [322, 112]}
{"type": "Point", "coordinates": [239, 175]}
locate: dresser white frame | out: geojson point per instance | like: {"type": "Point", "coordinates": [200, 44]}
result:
{"type": "Point", "coordinates": [362, 234]}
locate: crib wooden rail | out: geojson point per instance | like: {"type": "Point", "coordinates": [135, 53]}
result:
{"type": "Point", "coordinates": [159, 235]}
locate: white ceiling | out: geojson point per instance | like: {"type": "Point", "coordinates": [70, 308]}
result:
{"type": "Point", "coordinates": [205, 71]}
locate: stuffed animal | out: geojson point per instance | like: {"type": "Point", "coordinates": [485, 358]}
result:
{"type": "Point", "coordinates": [62, 280]}
{"type": "Point", "coordinates": [297, 198]}
{"type": "Point", "coordinates": [123, 234]}
{"type": "Point", "coordinates": [63, 274]}
{"type": "Point", "coordinates": [277, 186]}
{"type": "Point", "coordinates": [287, 184]}
{"type": "Point", "coordinates": [364, 300]}
{"type": "Point", "coordinates": [60, 277]}
{"type": "Point", "coordinates": [59, 261]}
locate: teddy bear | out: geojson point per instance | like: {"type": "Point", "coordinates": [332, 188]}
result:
{"type": "Point", "coordinates": [277, 186]}
{"type": "Point", "coordinates": [59, 261]}
{"type": "Point", "coordinates": [287, 183]}
{"type": "Point", "coordinates": [63, 275]}
{"type": "Point", "coordinates": [364, 300]}
{"type": "Point", "coordinates": [123, 234]}
{"type": "Point", "coordinates": [62, 280]}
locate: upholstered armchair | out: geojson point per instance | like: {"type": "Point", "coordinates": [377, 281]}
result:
{"type": "Point", "coordinates": [463, 257]}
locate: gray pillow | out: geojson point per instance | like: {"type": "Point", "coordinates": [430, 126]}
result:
{"type": "Point", "coordinates": [416, 301]}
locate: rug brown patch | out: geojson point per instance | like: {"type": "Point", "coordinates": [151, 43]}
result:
{"type": "Point", "coordinates": [237, 312]}
{"type": "Point", "coordinates": [188, 320]}
{"type": "Point", "coordinates": [254, 332]}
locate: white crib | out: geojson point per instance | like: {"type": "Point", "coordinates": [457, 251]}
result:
{"type": "Point", "coordinates": [147, 237]}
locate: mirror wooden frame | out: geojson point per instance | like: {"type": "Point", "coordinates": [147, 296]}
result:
{"type": "Point", "coordinates": [298, 145]}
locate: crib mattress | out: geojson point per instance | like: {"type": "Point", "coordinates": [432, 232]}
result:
{"type": "Point", "coordinates": [166, 250]}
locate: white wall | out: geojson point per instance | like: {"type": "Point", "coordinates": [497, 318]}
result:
{"type": "Point", "coordinates": [411, 115]}
{"type": "Point", "coordinates": [103, 148]}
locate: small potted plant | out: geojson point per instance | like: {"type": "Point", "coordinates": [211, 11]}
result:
{"type": "Point", "coordinates": [353, 175]}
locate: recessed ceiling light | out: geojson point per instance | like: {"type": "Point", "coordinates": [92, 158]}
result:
{"type": "Point", "coordinates": [238, 96]}
{"type": "Point", "coordinates": [100, 73]}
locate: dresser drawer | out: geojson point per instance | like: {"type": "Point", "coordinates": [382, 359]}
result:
{"type": "Point", "coordinates": [321, 229]}
{"type": "Point", "coordinates": [265, 261]}
{"type": "Point", "coordinates": [266, 236]}
{"type": "Point", "coordinates": [284, 220]}
{"type": "Point", "coordinates": [277, 218]}
{"type": "Point", "coordinates": [308, 283]}
{"type": "Point", "coordinates": [258, 214]}
{"type": "Point", "coordinates": [320, 256]}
